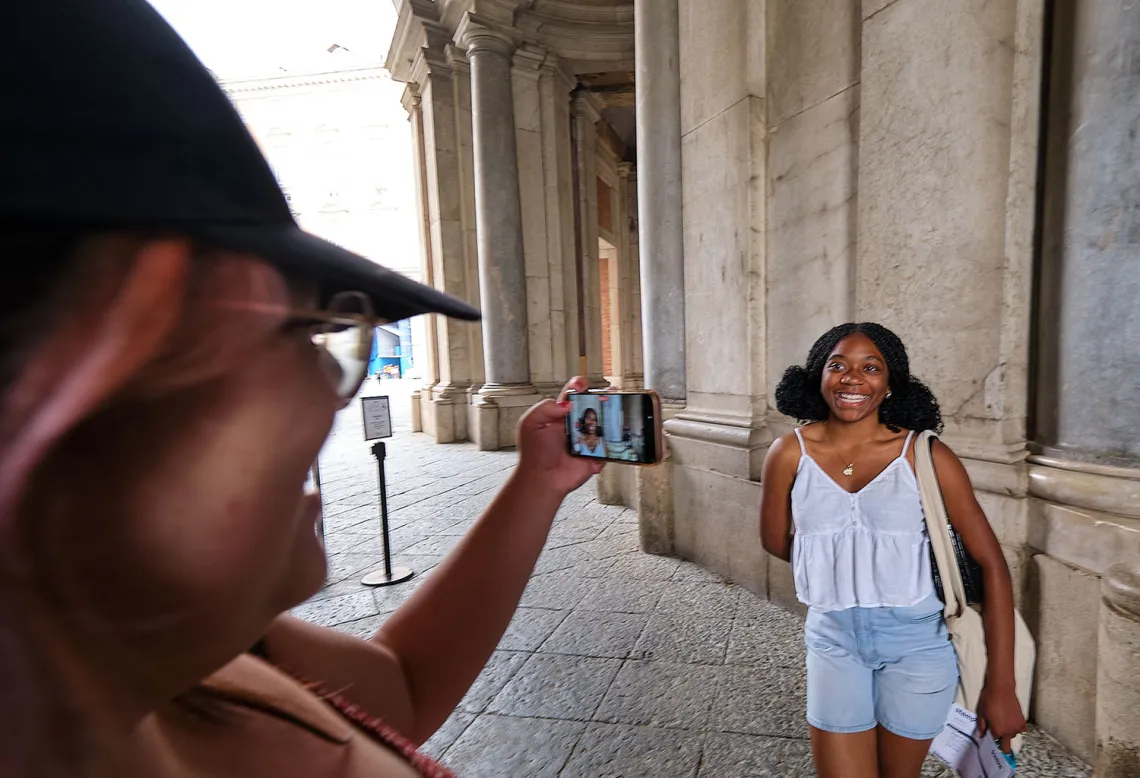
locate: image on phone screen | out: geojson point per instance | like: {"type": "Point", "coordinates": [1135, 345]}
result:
{"type": "Point", "coordinates": [616, 427]}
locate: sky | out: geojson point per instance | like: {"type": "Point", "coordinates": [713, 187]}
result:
{"type": "Point", "coordinates": [259, 38]}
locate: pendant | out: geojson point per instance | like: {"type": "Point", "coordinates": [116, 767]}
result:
{"type": "Point", "coordinates": [849, 470]}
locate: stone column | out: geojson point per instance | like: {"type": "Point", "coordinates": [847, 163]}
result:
{"type": "Point", "coordinates": [586, 115]}
{"type": "Point", "coordinates": [1118, 684]}
{"type": "Point", "coordinates": [498, 218]}
{"type": "Point", "coordinates": [507, 390]}
{"type": "Point", "coordinates": [445, 197]}
{"type": "Point", "coordinates": [657, 42]}
{"type": "Point", "coordinates": [1088, 315]}
{"type": "Point", "coordinates": [412, 104]}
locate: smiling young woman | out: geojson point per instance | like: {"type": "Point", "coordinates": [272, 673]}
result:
{"type": "Point", "coordinates": [841, 503]}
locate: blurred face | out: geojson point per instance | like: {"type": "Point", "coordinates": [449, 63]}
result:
{"type": "Point", "coordinates": [181, 523]}
{"type": "Point", "coordinates": [590, 422]}
{"type": "Point", "coordinates": [855, 379]}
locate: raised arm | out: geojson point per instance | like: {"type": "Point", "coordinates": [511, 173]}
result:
{"type": "Point", "coordinates": [998, 706]}
{"type": "Point", "coordinates": [777, 477]}
{"type": "Point", "coordinates": [417, 668]}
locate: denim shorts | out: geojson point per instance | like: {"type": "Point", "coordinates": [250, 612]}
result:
{"type": "Point", "coordinates": [890, 666]}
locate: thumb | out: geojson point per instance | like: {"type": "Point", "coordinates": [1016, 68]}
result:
{"type": "Point", "coordinates": [982, 727]}
{"type": "Point", "coordinates": [1006, 744]}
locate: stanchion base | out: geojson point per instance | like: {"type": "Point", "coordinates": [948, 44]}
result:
{"type": "Point", "coordinates": [380, 578]}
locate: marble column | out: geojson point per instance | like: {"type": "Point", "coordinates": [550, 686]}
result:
{"type": "Point", "coordinates": [1089, 314]}
{"type": "Point", "coordinates": [498, 217]}
{"type": "Point", "coordinates": [413, 104]}
{"type": "Point", "coordinates": [586, 114]}
{"type": "Point", "coordinates": [657, 42]}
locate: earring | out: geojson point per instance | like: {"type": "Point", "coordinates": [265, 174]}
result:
{"type": "Point", "coordinates": [888, 395]}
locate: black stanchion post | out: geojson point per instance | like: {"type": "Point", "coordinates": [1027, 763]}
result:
{"type": "Point", "coordinates": [387, 576]}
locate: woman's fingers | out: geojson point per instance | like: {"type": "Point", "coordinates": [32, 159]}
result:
{"type": "Point", "coordinates": [575, 384]}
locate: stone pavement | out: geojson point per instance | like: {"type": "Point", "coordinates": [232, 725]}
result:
{"type": "Point", "coordinates": [617, 664]}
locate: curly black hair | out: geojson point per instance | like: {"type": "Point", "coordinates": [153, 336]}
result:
{"type": "Point", "coordinates": [911, 406]}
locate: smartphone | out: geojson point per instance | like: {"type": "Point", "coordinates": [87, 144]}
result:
{"type": "Point", "coordinates": [616, 426]}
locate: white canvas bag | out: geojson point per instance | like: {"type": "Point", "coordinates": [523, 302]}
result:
{"type": "Point", "coordinates": [967, 631]}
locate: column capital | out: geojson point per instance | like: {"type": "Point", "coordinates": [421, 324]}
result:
{"type": "Point", "coordinates": [411, 99]}
{"type": "Point", "coordinates": [474, 35]}
{"type": "Point", "coordinates": [429, 62]}
{"type": "Point", "coordinates": [528, 60]}
{"type": "Point", "coordinates": [457, 60]}
{"type": "Point", "coordinates": [587, 106]}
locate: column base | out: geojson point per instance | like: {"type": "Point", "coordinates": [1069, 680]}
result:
{"type": "Point", "coordinates": [495, 411]}
{"type": "Point", "coordinates": [443, 412]}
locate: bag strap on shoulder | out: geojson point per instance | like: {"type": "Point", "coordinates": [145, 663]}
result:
{"type": "Point", "coordinates": [937, 526]}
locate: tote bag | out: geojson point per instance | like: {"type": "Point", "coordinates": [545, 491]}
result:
{"type": "Point", "coordinates": [964, 622]}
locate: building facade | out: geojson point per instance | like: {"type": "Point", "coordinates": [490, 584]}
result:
{"type": "Point", "coordinates": [730, 178]}
{"type": "Point", "coordinates": [339, 145]}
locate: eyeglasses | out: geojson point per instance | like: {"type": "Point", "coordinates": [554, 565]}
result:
{"type": "Point", "coordinates": [345, 331]}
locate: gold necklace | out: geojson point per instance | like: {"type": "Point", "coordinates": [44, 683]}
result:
{"type": "Point", "coordinates": [849, 470]}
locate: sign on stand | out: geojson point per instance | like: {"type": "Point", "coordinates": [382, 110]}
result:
{"type": "Point", "coordinates": [378, 424]}
{"type": "Point", "coordinates": [377, 418]}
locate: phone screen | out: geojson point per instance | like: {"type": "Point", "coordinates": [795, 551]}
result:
{"type": "Point", "coordinates": [614, 426]}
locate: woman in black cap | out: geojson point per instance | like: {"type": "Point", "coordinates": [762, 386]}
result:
{"type": "Point", "coordinates": [173, 349]}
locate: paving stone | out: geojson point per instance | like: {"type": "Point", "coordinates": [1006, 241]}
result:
{"type": "Point", "coordinates": [710, 600]}
{"type": "Point", "coordinates": [557, 591]}
{"type": "Point", "coordinates": [620, 751]}
{"type": "Point", "coordinates": [1043, 757]}
{"type": "Point", "coordinates": [436, 546]}
{"type": "Point", "coordinates": [573, 558]}
{"type": "Point", "coordinates": [556, 687]}
{"type": "Point", "coordinates": [498, 672]}
{"type": "Point", "coordinates": [530, 627]}
{"type": "Point", "coordinates": [509, 747]}
{"type": "Point", "coordinates": [348, 565]}
{"type": "Point", "coordinates": [749, 756]}
{"type": "Point", "coordinates": [446, 735]}
{"type": "Point", "coordinates": [767, 642]}
{"type": "Point", "coordinates": [362, 628]}
{"type": "Point", "coordinates": [337, 610]}
{"type": "Point", "coordinates": [340, 542]}
{"type": "Point", "coordinates": [338, 589]}
{"type": "Point", "coordinates": [689, 572]}
{"type": "Point", "coordinates": [660, 694]}
{"type": "Point", "coordinates": [608, 548]}
{"type": "Point", "coordinates": [752, 702]}
{"type": "Point", "coordinates": [595, 633]}
{"type": "Point", "coordinates": [622, 531]}
{"type": "Point", "coordinates": [647, 566]}
{"type": "Point", "coordinates": [622, 595]}
{"type": "Point", "coordinates": [684, 640]}
{"type": "Point", "coordinates": [936, 768]}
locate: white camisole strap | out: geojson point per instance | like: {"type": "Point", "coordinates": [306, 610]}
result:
{"type": "Point", "coordinates": [800, 438]}
{"type": "Point", "coordinates": [906, 445]}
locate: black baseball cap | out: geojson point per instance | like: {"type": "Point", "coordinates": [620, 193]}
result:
{"type": "Point", "coordinates": [112, 122]}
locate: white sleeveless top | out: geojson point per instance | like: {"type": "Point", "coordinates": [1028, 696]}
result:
{"type": "Point", "coordinates": [865, 549]}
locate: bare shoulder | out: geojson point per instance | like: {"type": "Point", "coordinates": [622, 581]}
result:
{"type": "Point", "coordinates": [783, 455]}
{"type": "Point", "coordinates": [947, 464]}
